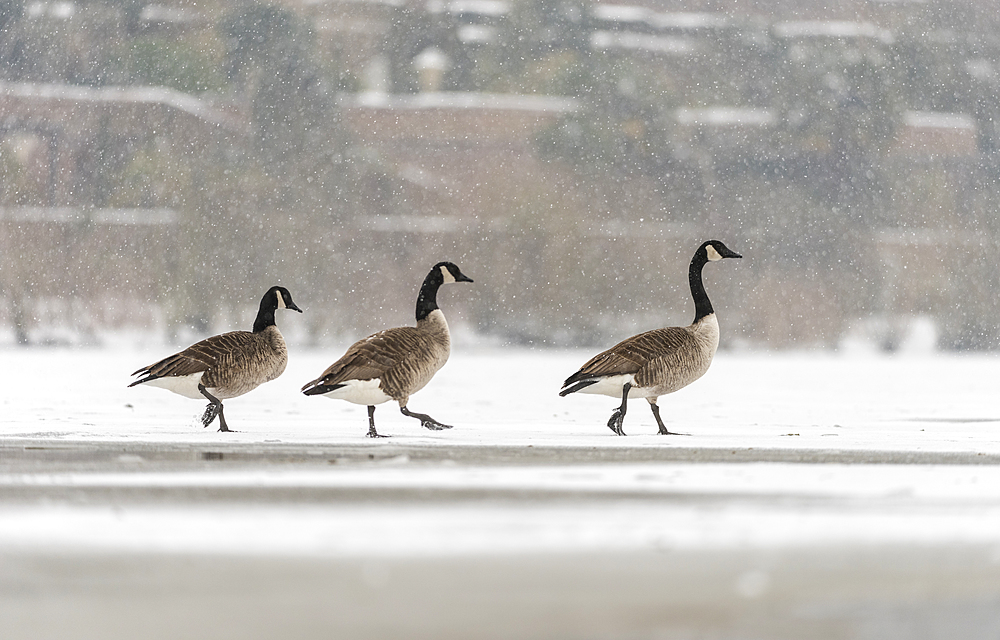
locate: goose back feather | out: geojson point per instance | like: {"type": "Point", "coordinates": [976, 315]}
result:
{"type": "Point", "coordinates": [228, 365]}
{"type": "Point", "coordinates": [656, 362]}
{"type": "Point", "coordinates": [402, 359]}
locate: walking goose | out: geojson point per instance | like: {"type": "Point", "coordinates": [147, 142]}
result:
{"type": "Point", "coordinates": [395, 363]}
{"type": "Point", "coordinates": [661, 361]}
{"type": "Point", "coordinates": [226, 365]}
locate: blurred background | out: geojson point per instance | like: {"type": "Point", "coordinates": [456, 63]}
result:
{"type": "Point", "coordinates": [163, 163]}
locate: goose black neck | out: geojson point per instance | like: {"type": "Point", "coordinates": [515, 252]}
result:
{"type": "Point", "coordinates": [265, 316]}
{"type": "Point", "coordinates": [427, 298]}
{"type": "Point", "coordinates": [702, 305]}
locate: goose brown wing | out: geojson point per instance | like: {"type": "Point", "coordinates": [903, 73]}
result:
{"type": "Point", "coordinates": [199, 357]}
{"type": "Point", "coordinates": [372, 357]}
{"type": "Point", "coordinates": [673, 365]}
{"type": "Point", "coordinates": [631, 355]}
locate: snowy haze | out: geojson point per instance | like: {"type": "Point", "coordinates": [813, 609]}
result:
{"type": "Point", "coordinates": [162, 166]}
{"type": "Point", "coordinates": [569, 155]}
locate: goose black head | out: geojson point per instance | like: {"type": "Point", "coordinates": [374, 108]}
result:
{"type": "Point", "coordinates": [715, 250]}
{"type": "Point", "coordinates": [711, 251]}
{"type": "Point", "coordinates": [450, 273]}
{"type": "Point", "coordinates": [275, 298]}
{"type": "Point", "coordinates": [441, 273]}
{"type": "Point", "coordinates": [279, 298]}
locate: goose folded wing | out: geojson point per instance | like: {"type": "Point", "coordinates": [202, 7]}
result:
{"type": "Point", "coordinates": [372, 357]}
{"type": "Point", "coordinates": [631, 355]}
{"type": "Point", "coordinates": [197, 358]}
{"type": "Point", "coordinates": [672, 362]}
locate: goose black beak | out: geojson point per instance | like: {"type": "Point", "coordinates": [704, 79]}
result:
{"type": "Point", "coordinates": [293, 307]}
{"type": "Point", "coordinates": [463, 278]}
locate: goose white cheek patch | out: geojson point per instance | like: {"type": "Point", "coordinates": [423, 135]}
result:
{"type": "Point", "coordinates": [281, 300]}
{"type": "Point", "coordinates": [713, 255]}
{"type": "Point", "coordinates": [448, 278]}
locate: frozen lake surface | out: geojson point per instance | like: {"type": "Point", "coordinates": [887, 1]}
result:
{"type": "Point", "coordinates": [813, 401]}
{"type": "Point", "coordinates": [814, 495]}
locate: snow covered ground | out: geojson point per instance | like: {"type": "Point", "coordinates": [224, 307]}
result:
{"type": "Point", "coordinates": [814, 495]}
{"type": "Point", "coordinates": [821, 401]}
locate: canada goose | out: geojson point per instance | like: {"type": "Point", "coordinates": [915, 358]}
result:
{"type": "Point", "coordinates": [226, 365]}
{"type": "Point", "coordinates": [395, 363]}
{"type": "Point", "coordinates": [661, 361]}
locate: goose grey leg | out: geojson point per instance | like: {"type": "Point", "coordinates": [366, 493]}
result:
{"type": "Point", "coordinates": [618, 416]}
{"type": "Point", "coordinates": [212, 410]}
{"type": "Point", "coordinates": [371, 424]}
{"type": "Point", "coordinates": [426, 421]}
{"type": "Point", "coordinates": [222, 420]}
{"type": "Point", "coordinates": [656, 414]}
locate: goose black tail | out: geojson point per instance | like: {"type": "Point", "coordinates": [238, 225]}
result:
{"type": "Point", "coordinates": [141, 380]}
{"type": "Point", "coordinates": [320, 389]}
{"type": "Point", "coordinates": [576, 387]}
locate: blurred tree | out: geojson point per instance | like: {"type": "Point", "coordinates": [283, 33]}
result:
{"type": "Point", "coordinates": [268, 58]}
{"type": "Point", "coordinates": [930, 73]}
{"type": "Point", "coordinates": [173, 63]}
{"type": "Point", "coordinates": [622, 130]}
{"type": "Point", "coordinates": [543, 46]}
{"type": "Point", "coordinates": [288, 188]}
{"type": "Point", "coordinates": [411, 31]}
{"type": "Point", "coordinates": [10, 12]}
{"type": "Point", "coordinates": [130, 15]}
{"type": "Point", "coordinates": [535, 30]}
{"type": "Point", "coordinates": [842, 113]}
{"type": "Point", "coordinates": [102, 161]}
{"type": "Point", "coordinates": [12, 43]}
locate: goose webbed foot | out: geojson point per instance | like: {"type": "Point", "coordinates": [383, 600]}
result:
{"type": "Point", "coordinates": [426, 421]}
{"type": "Point", "coordinates": [213, 410]}
{"type": "Point", "coordinates": [615, 423]}
{"type": "Point", "coordinates": [664, 432]}
{"type": "Point", "coordinates": [659, 422]}
{"type": "Point", "coordinates": [434, 425]}
{"type": "Point", "coordinates": [618, 417]}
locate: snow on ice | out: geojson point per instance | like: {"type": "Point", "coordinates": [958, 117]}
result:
{"type": "Point", "coordinates": [809, 405]}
